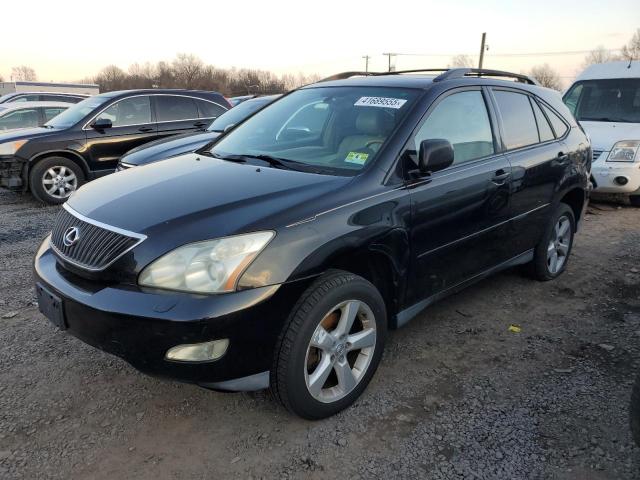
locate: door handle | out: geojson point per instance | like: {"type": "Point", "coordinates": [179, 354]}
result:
{"type": "Point", "coordinates": [145, 129]}
{"type": "Point", "coordinates": [500, 177]}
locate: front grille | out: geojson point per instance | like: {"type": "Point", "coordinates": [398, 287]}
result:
{"type": "Point", "coordinates": [97, 245]}
{"type": "Point", "coordinates": [596, 154]}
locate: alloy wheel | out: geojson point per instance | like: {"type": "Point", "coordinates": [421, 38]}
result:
{"type": "Point", "coordinates": [59, 181]}
{"type": "Point", "coordinates": [559, 244]}
{"type": "Point", "coordinates": [340, 351]}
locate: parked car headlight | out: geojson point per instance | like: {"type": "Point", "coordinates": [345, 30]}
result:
{"type": "Point", "coordinates": [212, 266]}
{"type": "Point", "coordinates": [624, 151]}
{"type": "Point", "coordinates": [9, 148]}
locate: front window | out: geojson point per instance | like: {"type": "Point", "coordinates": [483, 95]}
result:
{"type": "Point", "coordinates": [130, 111]}
{"type": "Point", "coordinates": [335, 130]}
{"type": "Point", "coordinates": [607, 100]}
{"type": "Point", "coordinates": [77, 112]}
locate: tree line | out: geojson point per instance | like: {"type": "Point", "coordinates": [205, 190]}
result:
{"type": "Point", "coordinates": [189, 71]}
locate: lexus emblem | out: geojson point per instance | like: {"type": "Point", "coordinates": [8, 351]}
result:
{"type": "Point", "coordinates": [71, 236]}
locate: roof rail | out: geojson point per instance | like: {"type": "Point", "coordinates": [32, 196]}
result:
{"type": "Point", "coordinates": [482, 72]}
{"type": "Point", "coordinates": [343, 75]}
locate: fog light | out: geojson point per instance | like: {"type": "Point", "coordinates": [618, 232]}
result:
{"type": "Point", "coordinates": [198, 352]}
{"type": "Point", "coordinates": [621, 180]}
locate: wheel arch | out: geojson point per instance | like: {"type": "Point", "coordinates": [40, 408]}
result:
{"type": "Point", "coordinates": [576, 198]}
{"type": "Point", "coordinates": [68, 154]}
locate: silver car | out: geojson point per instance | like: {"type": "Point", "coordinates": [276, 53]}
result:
{"type": "Point", "coordinates": [29, 114]}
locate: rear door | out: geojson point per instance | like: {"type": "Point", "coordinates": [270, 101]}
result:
{"type": "Point", "coordinates": [537, 158]}
{"type": "Point", "coordinates": [132, 125]}
{"type": "Point", "coordinates": [460, 214]}
{"type": "Point", "coordinates": [178, 114]}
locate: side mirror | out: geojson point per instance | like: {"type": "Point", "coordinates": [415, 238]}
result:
{"type": "Point", "coordinates": [101, 124]}
{"type": "Point", "coordinates": [435, 154]}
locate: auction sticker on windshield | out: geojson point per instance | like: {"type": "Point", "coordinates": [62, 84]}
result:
{"type": "Point", "coordinates": [385, 102]}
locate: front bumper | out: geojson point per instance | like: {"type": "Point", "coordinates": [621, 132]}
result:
{"type": "Point", "coordinates": [12, 173]}
{"type": "Point", "coordinates": [141, 325]}
{"type": "Point", "coordinates": [605, 173]}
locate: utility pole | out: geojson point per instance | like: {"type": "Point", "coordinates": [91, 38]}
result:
{"type": "Point", "coordinates": [484, 37]}
{"type": "Point", "coordinates": [366, 62]}
{"type": "Point", "coordinates": [390, 55]}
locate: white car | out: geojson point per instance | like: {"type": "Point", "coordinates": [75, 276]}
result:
{"type": "Point", "coordinates": [29, 114]}
{"type": "Point", "coordinates": [605, 99]}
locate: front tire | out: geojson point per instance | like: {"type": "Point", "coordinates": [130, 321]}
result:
{"type": "Point", "coordinates": [52, 180]}
{"type": "Point", "coordinates": [551, 255]}
{"type": "Point", "coordinates": [330, 346]}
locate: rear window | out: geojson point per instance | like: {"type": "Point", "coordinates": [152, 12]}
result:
{"type": "Point", "coordinates": [174, 108]}
{"type": "Point", "coordinates": [518, 121]}
{"type": "Point", "coordinates": [209, 110]}
{"type": "Point", "coordinates": [607, 100]}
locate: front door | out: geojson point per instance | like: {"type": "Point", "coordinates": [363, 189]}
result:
{"type": "Point", "coordinates": [132, 125]}
{"type": "Point", "coordinates": [460, 214]}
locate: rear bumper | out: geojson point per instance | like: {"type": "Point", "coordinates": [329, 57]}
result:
{"type": "Point", "coordinates": [141, 325]}
{"type": "Point", "coordinates": [12, 173]}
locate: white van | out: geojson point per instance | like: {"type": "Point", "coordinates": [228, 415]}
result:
{"type": "Point", "coordinates": [605, 99]}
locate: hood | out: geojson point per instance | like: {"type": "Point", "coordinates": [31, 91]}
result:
{"type": "Point", "coordinates": [201, 197]}
{"type": "Point", "coordinates": [26, 133]}
{"type": "Point", "coordinates": [167, 147]}
{"type": "Point", "coordinates": [605, 134]}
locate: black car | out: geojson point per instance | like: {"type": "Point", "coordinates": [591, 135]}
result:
{"type": "Point", "coordinates": [43, 97]}
{"type": "Point", "coordinates": [87, 140]}
{"type": "Point", "coordinates": [281, 254]}
{"type": "Point", "coordinates": [188, 142]}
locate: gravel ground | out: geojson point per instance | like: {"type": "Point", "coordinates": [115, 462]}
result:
{"type": "Point", "coordinates": [457, 395]}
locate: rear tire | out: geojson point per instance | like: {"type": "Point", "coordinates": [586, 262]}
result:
{"type": "Point", "coordinates": [551, 255]}
{"type": "Point", "coordinates": [52, 180]}
{"type": "Point", "coordinates": [330, 346]}
{"type": "Point", "coordinates": [634, 200]}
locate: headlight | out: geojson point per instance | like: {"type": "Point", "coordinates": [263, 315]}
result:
{"type": "Point", "coordinates": [212, 266]}
{"type": "Point", "coordinates": [9, 148]}
{"type": "Point", "coordinates": [625, 151]}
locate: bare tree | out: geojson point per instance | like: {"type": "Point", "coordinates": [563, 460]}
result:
{"type": "Point", "coordinates": [461, 60]}
{"type": "Point", "coordinates": [110, 78]}
{"type": "Point", "coordinates": [599, 55]}
{"type": "Point", "coordinates": [187, 69]}
{"type": "Point", "coordinates": [631, 51]}
{"type": "Point", "coordinates": [1, 78]}
{"type": "Point", "coordinates": [546, 76]}
{"type": "Point", "coordinates": [23, 73]}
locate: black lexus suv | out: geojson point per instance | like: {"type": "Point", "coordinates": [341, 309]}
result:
{"type": "Point", "coordinates": [87, 140]}
{"type": "Point", "coordinates": [280, 254]}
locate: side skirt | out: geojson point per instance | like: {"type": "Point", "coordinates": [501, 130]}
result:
{"type": "Point", "coordinates": [258, 381]}
{"type": "Point", "coordinates": [407, 314]}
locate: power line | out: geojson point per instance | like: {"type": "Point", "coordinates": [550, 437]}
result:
{"type": "Point", "coordinates": [519, 54]}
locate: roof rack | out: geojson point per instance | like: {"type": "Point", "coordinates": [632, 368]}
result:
{"type": "Point", "coordinates": [481, 72]}
{"type": "Point", "coordinates": [343, 75]}
{"type": "Point", "coordinates": [447, 74]}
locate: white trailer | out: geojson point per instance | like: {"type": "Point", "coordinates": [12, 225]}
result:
{"type": "Point", "coordinates": [17, 87]}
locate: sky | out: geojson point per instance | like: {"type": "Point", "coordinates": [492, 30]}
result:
{"type": "Point", "coordinates": [71, 40]}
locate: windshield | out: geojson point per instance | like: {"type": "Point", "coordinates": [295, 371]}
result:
{"type": "Point", "coordinates": [238, 114]}
{"type": "Point", "coordinates": [608, 100]}
{"type": "Point", "coordinates": [336, 130]}
{"type": "Point", "coordinates": [77, 112]}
